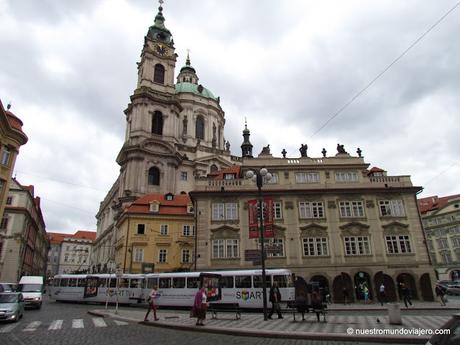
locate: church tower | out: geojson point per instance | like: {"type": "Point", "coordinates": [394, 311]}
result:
{"type": "Point", "coordinates": [246, 146]}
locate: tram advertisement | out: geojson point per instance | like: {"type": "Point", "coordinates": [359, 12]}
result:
{"type": "Point", "coordinates": [91, 287]}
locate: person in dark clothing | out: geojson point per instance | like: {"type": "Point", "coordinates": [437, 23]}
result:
{"type": "Point", "coordinates": [275, 299]}
{"type": "Point", "coordinates": [406, 295]}
{"type": "Point", "coordinates": [301, 304]}
{"type": "Point", "coordinates": [345, 295]}
{"type": "Point", "coordinates": [316, 303]}
{"type": "Point", "coordinates": [441, 292]}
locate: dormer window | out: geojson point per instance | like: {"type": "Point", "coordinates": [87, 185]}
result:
{"type": "Point", "coordinates": [154, 207]}
{"type": "Point", "coordinates": [229, 176]}
{"type": "Point", "coordinates": [190, 208]}
{"type": "Point", "coordinates": [169, 197]}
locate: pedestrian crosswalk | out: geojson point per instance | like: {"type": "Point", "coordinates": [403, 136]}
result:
{"type": "Point", "coordinates": [56, 325]}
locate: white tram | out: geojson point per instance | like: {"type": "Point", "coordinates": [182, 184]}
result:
{"type": "Point", "coordinates": [175, 289]}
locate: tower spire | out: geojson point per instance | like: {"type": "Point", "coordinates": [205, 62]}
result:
{"type": "Point", "coordinates": [246, 146]}
{"type": "Point", "coordinates": [158, 30]}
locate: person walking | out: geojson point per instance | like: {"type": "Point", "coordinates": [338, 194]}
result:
{"type": "Point", "coordinates": [441, 292]}
{"type": "Point", "coordinates": [301, 304]}
{"type": "Point", "coordinates": [153, 295]}
{"type": "Point", "coordinates": [200, 306]}
{"type": "Point", "coordinates": [366, 294]}
{"type": "Point", "coordinates": [383, 297]}
{"type": "Point", "coordinates": [406, 294]}
{"type": "Point", "coordinates": [275, 299]}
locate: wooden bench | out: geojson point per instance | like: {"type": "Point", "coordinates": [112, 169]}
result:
{"type": "Point", "coordinates": [214, 308]}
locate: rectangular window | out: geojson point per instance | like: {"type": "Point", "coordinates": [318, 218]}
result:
{"type": "Point", "coordinates": [307, 177]}
{"type": "Point", "coordinates": [311, 209]}
{"type": "Point", "coordinates": [226, 282]}
{"type": "Point", "coordinates": [183, 176]}
{"type": "Point", "coordinates": [192, 282]}
{"type": "Point", "coordinates": [225, 249]}
{"type": "Point", "coordinates": [446, 257]}
{"type": "Point", "coordinates": [9, 200]}
{"type": "Point", "coordinates": [138, 255]}
{"type": "Point", "coordinates": [178, 282]}
{"type": "Point", "coordinates": [162, 256]}
{"type": "Point", "coordinates": [163, 229]}
{"type": "Point", "coordinates": [185, 256]}
{"type": "Point", "coordinates": [243, 282]}
{"type": "Point", "coordinates": [223, 211]}
{"type": "Point", "coordinates": [351, 209]}
{"type": "Point", "coordinates": [346, 176]}
{"type": "Point", "coordinates": [277, 210]}
{"type": "Point", "coordinates": [164, 283]}
{"type": "Point", "coordinates": [357, 245]}
{"type": "Point", "coordinates": [6, 155]}
{"type": "Point", "coordinates": [315, 246]}
{"type": "Point", "coordinates": [140, 229]}
{"type": "Point", "coordinates": [218, 212]}
{"type": "Point", "coordinates": [392, 208]}
{"type": "Point", "coordinates": [455, 241]}
{"type": "Point", "coordinates": [186, 230]}
{"type": "Point", "coordinates": [231, 211]}
{"type": "Point", "coordinates": [273, 247]}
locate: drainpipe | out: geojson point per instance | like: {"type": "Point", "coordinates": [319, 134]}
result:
{"type": "Point", "coordinates": [126, 246]}
{"type": "Point", "coordinates": [195, 210]}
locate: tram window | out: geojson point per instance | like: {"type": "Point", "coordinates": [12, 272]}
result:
{"type": "Point", "coordinates": [102, 283]}
{"type": "Point", "coordinates": [56, 282]}
{"type": "Point", "coordinates": [124, 283]}
{"type": "Point", "coordinates": [81, 282]}
{"type": "Point", "coordinates": [192, 282]}
{"type": "Point", "coordinates": [243, 281]}
{"type": "Point", "coordinates": [226, 282]}
{"type": "Point", "coordinates": [134, 283]}
{"type": "Point", "coordinates": [178, 282]}
{"type": "Point", "coordinates": [283, 281]}
{"type": "Point", "coordinates": [64, 282]}
{"type": "Point", "coordinates": [72, 282]}
{"type": "Point", "coordinates": [113, 282]}
{"type": "Point", "coordinates": [258, 281]}
{"type": "Point", "coordinates": [165, 283]}
{"type": "Point", "coordinates": [151, 282]}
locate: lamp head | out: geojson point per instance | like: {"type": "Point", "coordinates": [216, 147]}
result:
{"type": "Point", "coordinates": [249, 174]}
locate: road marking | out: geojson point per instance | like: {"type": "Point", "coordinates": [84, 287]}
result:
{"type": "Point", "coordinates": [8, 328]}
{"type": "Point", "coordinates": [99, 322]}
{"type": "Point", "coordinates": [120, 323]}
{"type": "Point", "coordinates": [32, 326]}
{"type": "Point", "coordinates": [77, 323]}
{"type": "Point", "coordinates": [56, 324]}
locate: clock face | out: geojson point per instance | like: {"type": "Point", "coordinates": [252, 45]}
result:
{"type": "Point", "coordinates": [161, 49]}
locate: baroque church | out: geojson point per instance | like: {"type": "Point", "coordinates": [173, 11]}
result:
{"type": "Point", "coordinates": [181, 195]}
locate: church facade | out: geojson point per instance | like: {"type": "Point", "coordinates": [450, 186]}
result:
{"type": "Point", "coordinates": [335, 220]}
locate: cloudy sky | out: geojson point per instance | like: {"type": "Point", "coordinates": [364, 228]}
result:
{"type": "Point", "coordinates": [69, 67]}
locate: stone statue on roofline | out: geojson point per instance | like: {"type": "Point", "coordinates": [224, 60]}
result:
{"type": "Point", "coordinates": [303, 150]}
{"type": "Point", "coordinates": [265, 150]}
{"type": "Point", "coordinates": [340, 149]}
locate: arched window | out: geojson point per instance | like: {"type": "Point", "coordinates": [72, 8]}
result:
{"type": "Point", "coordinates": [157, 123]}
{"type": "Point", "coordinates": [154, 176]}
{"type": "Point", "coordinates": [199, 129]}
{"type": "Point", "coordinates": [214, 168]}
{"type": "Point", "coordinates": [159, 74]}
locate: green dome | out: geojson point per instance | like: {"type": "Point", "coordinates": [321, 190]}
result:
{"type": "Point", "coordinates": [193, 88]}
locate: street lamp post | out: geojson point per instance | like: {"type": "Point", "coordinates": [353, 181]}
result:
{"type": "Point", "coordinates": [258, 177]}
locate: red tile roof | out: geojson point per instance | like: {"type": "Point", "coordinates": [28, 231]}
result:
{"type": "Point", "coordinates": [432, 203]}
{"type": "Point", "coordinates": [58, 237]}
{"type": "Point", "coordinates": [176, 206]}
{"type": "Point", "coordinates": [220, 174]}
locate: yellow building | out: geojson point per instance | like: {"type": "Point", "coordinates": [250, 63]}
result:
{"type": "Point", "coordinates": [156, 233]}
{"type": "Point", "coordinates": [11, 138]}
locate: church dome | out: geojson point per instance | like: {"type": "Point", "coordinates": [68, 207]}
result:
{"type": "Point", "coordinates": [199, 90]}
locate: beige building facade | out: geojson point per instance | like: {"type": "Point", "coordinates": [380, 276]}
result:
{"type": "Point", "coordinates": [25, 243]}
{"type": "Point", "coordinates": [441, 222]}
{"type": "Point", "coordinates": [335, 222]}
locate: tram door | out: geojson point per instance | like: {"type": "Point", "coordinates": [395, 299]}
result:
{"type": "Point", "coordinates": [211, 282]}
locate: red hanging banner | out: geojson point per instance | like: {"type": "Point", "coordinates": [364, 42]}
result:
{"type": "Point", "coordinates": [267, 213]}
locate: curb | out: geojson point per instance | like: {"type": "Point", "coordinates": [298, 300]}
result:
{"type": "Point", "coordinates": [388, 339]}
